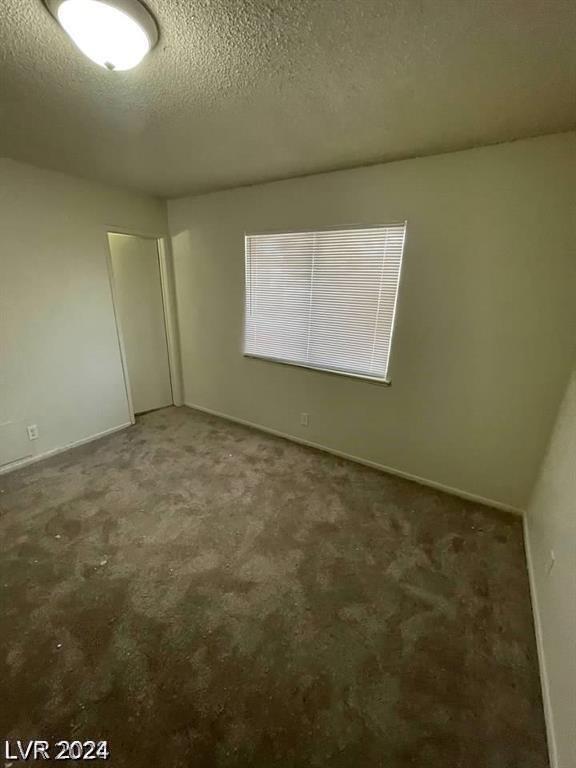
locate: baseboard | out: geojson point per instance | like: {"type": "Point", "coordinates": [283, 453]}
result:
{"type": "Point", "coordinates": [367, 463]}
{"type": "Point", "coordinates": [544, 682]}
{"type": "Point", "coordinates": [54, 451]}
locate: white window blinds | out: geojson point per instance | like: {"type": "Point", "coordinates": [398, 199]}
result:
{"type": "Point", "coordinates": [324, 299]}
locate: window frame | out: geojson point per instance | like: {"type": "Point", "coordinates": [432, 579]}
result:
{"type": "Point", "coordinates": [332, 371]}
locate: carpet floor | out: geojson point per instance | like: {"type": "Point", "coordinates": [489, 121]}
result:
{"type": "Point", "coordinates": [201, 594]}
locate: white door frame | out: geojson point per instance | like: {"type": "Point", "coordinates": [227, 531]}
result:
{"type": "Point", "coordinates": [168, 288]}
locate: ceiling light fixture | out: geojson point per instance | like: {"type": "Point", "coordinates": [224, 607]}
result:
{"type": "Point", "coordinates": [115, 34]}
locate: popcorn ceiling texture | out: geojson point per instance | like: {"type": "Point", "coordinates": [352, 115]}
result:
{"type": "Point", "coordinates": [240, 91]}
{"type": "Point", "coordinates": [204, 595]}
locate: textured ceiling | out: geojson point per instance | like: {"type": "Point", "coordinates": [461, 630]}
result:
{"type": "Point", "coordinates": [239, 91]}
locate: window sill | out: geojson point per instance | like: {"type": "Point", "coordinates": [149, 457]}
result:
{"type": "Point", "coordinates": [331, 371]}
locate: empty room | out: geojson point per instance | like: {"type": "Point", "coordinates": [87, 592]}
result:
{"type": "Point", "coordinates": [288, 383]}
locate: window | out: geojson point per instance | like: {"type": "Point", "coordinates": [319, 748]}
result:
{"type": "Point", "coordinates": [324, 299]}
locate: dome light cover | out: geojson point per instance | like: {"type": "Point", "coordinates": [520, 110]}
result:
{"type": "Point", "coordinates": [115, 34]}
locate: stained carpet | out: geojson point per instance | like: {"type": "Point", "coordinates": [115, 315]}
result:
{"type": "Point", "coordinates": [201, 594]}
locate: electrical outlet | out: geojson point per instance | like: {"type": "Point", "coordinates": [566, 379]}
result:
{"type": "Point", "coordinates": [304, 419]}
{"type": "Point", "coordinates": [32, 432]}
{"type": "Point", "coordinates": [551, 561]}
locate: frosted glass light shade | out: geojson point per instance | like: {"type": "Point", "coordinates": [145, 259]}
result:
{"type": "Point", "coordinates": [116, 35]}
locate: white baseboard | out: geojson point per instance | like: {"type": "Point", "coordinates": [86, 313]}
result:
{"type": "Point", "coordinates": [367, 463]}
{"type": "Point", "coordinates": [54, 451]}
{"type": "Point", "coordinates": [548, 716]}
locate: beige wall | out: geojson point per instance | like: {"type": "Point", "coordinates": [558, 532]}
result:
{"type": "Point", "coordinates": [485, 324]}
{"type": "Point", "coordinates": [551, 528]}
{"type": "Point", "coordinates": [59, 360]}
